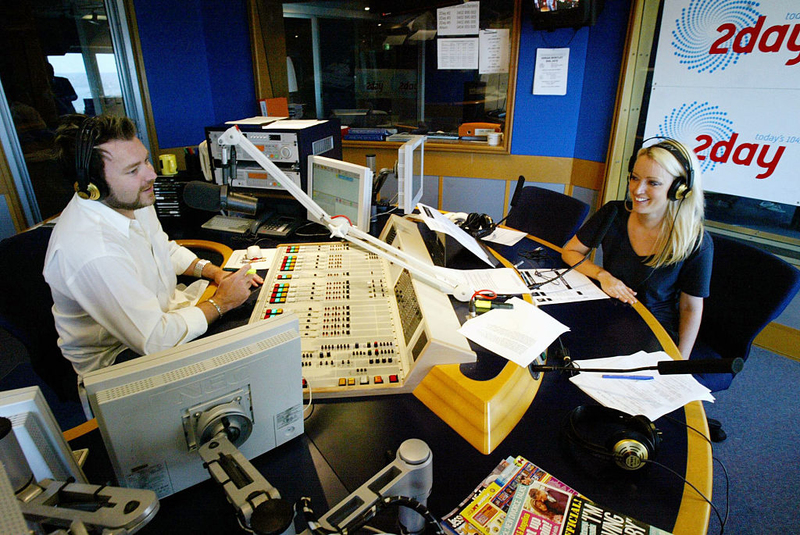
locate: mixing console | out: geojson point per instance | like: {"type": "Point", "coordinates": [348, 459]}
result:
{"type": "Point", "coordinates": [366, 326]}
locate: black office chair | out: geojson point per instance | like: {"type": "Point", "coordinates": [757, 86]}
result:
{"type": "Point", "coordinates": [25, 309]}
{"type": "Point", "coordinates": [749, 288]}
{"type": "Point", "coordinates": [547, 214]}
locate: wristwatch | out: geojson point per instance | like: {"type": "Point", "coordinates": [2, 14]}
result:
{"type": "Point", "coordinates": [198, 267]}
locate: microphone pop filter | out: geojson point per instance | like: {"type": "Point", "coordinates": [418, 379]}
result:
{"type": "Point", "coordinates": [202, 196]}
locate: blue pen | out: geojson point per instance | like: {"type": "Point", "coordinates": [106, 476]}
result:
{"type": "Point", "coordinates": [632, 377]}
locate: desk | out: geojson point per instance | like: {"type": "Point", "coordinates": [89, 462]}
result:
{"type": "Point", "coordinates": [346, 441]}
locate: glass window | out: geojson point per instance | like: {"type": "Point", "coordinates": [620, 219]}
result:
{"type": "Point", "coordinates": [371, 68]}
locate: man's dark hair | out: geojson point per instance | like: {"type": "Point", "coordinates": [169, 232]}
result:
{"type": "Point", "coordinates": [105, 128]}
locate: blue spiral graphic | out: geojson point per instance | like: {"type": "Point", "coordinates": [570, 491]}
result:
{"type": "Point", "coordinates": [691, 120]}
{"type": "Point", "coordinates": [696, 31]}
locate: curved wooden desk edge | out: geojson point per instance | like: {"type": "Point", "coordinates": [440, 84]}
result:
{"type": "Point", "coordinates": [224, 250]}
{"type": "Point", "coordinates": [694, 512]}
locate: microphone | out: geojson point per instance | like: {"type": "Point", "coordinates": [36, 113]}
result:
{"type": "Point", "coordinates": [213, 198]}
{"type": "Point", "coordinates": [597, 239]}
{"type": "Point", "coordinates": [664, 367]}
{"type": "Point", "coordinates": [514, 199]}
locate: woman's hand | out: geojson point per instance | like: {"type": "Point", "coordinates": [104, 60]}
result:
{"type": "Point", "coordinates": [616, 288]}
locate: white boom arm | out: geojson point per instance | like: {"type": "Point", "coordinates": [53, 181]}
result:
{"type": "Point", "coordinates": [341, 228]}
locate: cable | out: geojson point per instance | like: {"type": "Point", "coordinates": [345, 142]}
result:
{"type": "Point", "coordinates": [309, 407]}
{"type": "Point", "coordinates": [303, 507]}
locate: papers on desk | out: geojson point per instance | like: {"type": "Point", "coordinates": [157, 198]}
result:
{"type": "Point", "coordinates": [239, 258]}
{"type": "Point", "coordinates": [437, 222]}
{"type": "Point", "coordinates": [505, 236]}
{"type": "Point", "coordinates": [499, 280]}
{"type": "Point", "coordinates": [572, 286]}
{"type": "Point", "coordinates": [651, 397]}
{"type": "Point", "coordinates": [520, 334]}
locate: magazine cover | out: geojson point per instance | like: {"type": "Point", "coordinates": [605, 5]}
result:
{"type": "Point", "coordinates": [453, 521]}
{"type": "Point", "coordinates": [487, 511]}
{"type": "Point", "coordinates": [585, 517]}
{"type": "Point", "coordinates": [537, 509]}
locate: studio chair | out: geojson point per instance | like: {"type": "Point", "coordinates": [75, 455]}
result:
{"type": "Point", "coordinates": [749, 289]}
{"type": "Point", "coordinates": [547, 214]}
{"type": "Point", "coordinates": [26, 309]}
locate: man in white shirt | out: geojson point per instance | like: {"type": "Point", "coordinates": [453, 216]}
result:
{"type": "Point", "coordinates": [111, 268]}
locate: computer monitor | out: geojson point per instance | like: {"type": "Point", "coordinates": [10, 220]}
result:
{"type": "Point", "coordinates": [341, 188]}
{"type": "Point", "coordinates": [155, 411]}
{"type": "Point", "coordinates": [39, 435]}
{"type": "Point", "coordinates": [410, 160]}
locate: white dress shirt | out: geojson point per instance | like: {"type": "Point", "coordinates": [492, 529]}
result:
{"type": "Point", "coordinates": [113, 281]}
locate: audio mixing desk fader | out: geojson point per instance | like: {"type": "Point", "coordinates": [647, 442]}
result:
{"type": "Point", "coordinates": [367, 326]}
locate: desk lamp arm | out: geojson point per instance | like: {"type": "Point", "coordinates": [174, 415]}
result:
{"type": "Point", "coordinates": [260, 508]}
{"type": "Point", "coordinates": [339, 227]}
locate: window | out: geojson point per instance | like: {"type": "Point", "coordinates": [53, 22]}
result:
{"type": "Point", "coordinates": [371, 68]}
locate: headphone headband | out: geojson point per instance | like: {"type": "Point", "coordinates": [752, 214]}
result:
{"type": "Point", "coordinates": [84, 148]}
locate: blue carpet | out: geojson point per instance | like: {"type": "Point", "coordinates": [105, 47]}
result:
{"type": "Point", "coordinates": [760, 414]}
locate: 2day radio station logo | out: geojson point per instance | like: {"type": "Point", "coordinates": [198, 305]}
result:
{"type": "Point", "coordinates": [713, 137]}
{"type": "Point", "coordinates": [713, 35]}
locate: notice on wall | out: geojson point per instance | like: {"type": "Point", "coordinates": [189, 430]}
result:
{"type": "Point", "coordinates": [459, 20]}
{"type": "Point", "coordinates": [458, 53]}
{"type": "Point", "coordinates": [495, 51]}
{"type": "Point", "coordinates": [550, 72]}
{"type": "Point", "coordinates": [726, 83]}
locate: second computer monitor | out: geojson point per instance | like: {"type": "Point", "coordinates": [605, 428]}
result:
{"type": "Point", "coordinates": [341, 189]}
{"type": "Point", "coordinates": [410, 160]}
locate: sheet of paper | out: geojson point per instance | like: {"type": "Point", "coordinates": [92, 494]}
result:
{"type": "Point", "coordinates": [438, 222]}
{"type": "Point", "coordinates": [504, 236]}
{"type": "Point", "coordinates": [238, 259]}
{"type": "Point", "coordinates": [495, 51]}
{"type": "Point", "coordinates": [550, 73]}
{"type": "Point", "coordinates": [519, 335]}
{"type": "Point", "coordinates": [459, 20]}
{"type": "Point", "coordinates": [652, 397]}
{"type": "Point", "coordinates": [567, 288]}
{"type": "Point", "coordinates": [258, 120]}
{"type": "Point", "coordinates": [293, 123]}
{"type": "Point", "coordinates": [500, 280]}
{"type": "Point", "coordinates": [457, 53]}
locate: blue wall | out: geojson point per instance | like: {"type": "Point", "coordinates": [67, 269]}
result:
{"type": "Point", "coordinates": [198, 66]}
{"type": "Point", "coordinates": [199, 71]}
{"type": "Point", "coordinates": [578, 124]}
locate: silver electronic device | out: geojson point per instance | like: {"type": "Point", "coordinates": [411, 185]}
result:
{"type": "Point", "coordinates": [287, 143]}
{"type": "Point", "coordinates": [41, 487]}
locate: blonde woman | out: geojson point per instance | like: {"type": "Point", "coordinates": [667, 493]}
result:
{"type": "Point", "coordinates": [656, 249]}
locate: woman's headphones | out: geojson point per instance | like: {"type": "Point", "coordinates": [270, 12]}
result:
{"type": "Point", "coordinates": [628, 440]}
{"type": "Point", "coordinates": [478, 225]}
{"type": "Point", "coordinates": [84, 148]}
{"type": "Point", "coordinates": [682, 186]}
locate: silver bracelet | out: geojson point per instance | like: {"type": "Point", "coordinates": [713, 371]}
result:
{"type": "Point", "coordinates": [199, 266]}
{"type": "Point", "coordinates": [215, 305]}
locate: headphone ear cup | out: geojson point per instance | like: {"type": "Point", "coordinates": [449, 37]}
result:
{"type": "Point", "coordinates": [678, 189]}
{"type": "Point", "coordinates": [629, 449]}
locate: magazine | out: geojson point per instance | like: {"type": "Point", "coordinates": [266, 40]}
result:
{"type": "Point", "coordinates": [519, 498]}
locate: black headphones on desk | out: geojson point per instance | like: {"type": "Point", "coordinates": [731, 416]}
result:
{"type": "Point", "coordinates": [478, 225]}
{"type": "Point", "coordinates": [607, 433]}
{"type": "Point", "coordinates": [681, 187]}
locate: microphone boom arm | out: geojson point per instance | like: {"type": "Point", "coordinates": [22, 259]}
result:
{"type": "Point", "coordinates": [341, 228]}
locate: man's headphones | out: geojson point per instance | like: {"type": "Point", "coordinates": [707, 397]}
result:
{"type": "Point", "coordinates": [84, 147]}
{"type": "Point", "coordinates": [682, 186]}
{"type": "Point", "coordinates": [611, 434]}
{"type": "Point", "coordinates": [478, 225]}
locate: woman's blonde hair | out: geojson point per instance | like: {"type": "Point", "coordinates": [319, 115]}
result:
{"type": "Point", "coordinates": [682, 228]}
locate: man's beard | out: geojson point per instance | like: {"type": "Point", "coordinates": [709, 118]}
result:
{"type": "Point", "coordinates": [113, 202]}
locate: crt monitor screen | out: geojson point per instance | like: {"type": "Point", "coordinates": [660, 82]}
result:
{"type": "Point", "coordinates": [155, 411]}
{"type": "Point", "coordinates": [341, 188]}
{"type": "Point", "coordinates": [410, 173]}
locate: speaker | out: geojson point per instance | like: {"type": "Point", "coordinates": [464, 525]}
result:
{"type": "Point", "coordinates": [478, 225]}
{"type": "Point", "coordinates": [85, 187]}
{"type": "Point", "coordinates": [682, 186]}
{"type": "Point", "coordinates": [628, 441]}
